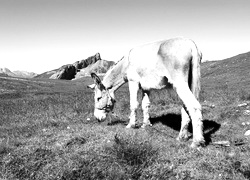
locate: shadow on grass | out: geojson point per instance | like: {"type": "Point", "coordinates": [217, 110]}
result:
{"type": "Point", "coordinates": [171, 120]}
{"type": "Point", "coordinates": [117, 121]}
{"type": "Point", "coordinates": [210, 127]}
{"type": "Point", "coordinates": [174, 121]}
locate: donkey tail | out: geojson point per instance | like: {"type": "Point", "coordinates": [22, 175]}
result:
{"type": "Point", "coordinates": [195, 68]}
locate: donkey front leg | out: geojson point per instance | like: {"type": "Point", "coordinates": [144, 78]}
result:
{"type": "Point", "coordinates": [133, 90]}
{"type": "Point", "coordinates": [145, 108]}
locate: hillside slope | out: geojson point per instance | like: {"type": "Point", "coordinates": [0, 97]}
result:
{"type": "Point", "coordinates": [232, 72]}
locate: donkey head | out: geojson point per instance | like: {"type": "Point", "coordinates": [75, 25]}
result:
{"type": "Point", "coordinates": [104, 99]}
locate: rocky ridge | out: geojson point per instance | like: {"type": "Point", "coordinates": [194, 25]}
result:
{"type": "Point", "coordinates": [79, 68]}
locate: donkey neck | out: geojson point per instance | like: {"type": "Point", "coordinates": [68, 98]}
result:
{"type": "Point", "coordinates": [116, 76]}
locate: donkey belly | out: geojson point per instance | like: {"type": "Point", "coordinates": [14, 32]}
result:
{"type": "Point", "coordinates": [155, 82]}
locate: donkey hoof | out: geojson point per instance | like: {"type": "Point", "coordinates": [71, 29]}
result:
{"type": "Point", "coordinates": [182, 138]}
{"type": "Point", "coordinates": [130, 126]}
{"type": "Point", "coordinates": [145, 125]}
{"type": "Point", "coordinates": [198, 144]}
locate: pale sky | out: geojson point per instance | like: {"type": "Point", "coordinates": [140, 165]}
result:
{"type": "Point", "coordinates": [41, 35]}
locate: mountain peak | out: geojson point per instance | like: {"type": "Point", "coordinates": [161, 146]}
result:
{"type": "Point", "coordinates": [4, 70]}
{"type": "Point", "coordinates": [79, 68]}
{"type": "Point", "coordinates": [22, 74]}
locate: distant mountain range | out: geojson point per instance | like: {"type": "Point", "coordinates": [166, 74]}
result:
{"type": "Point", "coordinates": [23, 74]}
{"type": "Point", "coordinates": [79, 69]}
{"type": "Point", "coordinates": [76, 70]}
{"type": "Point", "coordinates": [232, 69]}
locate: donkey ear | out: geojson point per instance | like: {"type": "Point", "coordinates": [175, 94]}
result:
{"type": "Point", "coordinates": [97, 81]}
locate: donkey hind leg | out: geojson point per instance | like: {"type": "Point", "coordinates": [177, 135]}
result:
{"type": "Point", "coordinates": [145, 109]}
{"type": "Point", "coordinates": [133, 91]}
{"type": "Point", "coordinates": [193, 108]}
{"type": "Point", "coordinates": [185, 120]}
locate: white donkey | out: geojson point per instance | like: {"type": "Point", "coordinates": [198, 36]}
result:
{"type": "Point", "coordinates": [170, 64]}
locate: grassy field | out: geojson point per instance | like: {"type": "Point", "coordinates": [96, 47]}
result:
{"type": "Point", "coordinates": [47, 131]}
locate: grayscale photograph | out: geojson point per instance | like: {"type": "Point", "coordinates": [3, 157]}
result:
{"type": "Point", "coordinates": [124, 90]}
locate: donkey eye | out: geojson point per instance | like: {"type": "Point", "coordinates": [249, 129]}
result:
{"type": "Point", "coordinates": [99, 98]}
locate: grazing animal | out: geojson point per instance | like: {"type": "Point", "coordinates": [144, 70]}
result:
{"type": "Point", "coordinates": [170, 64]}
